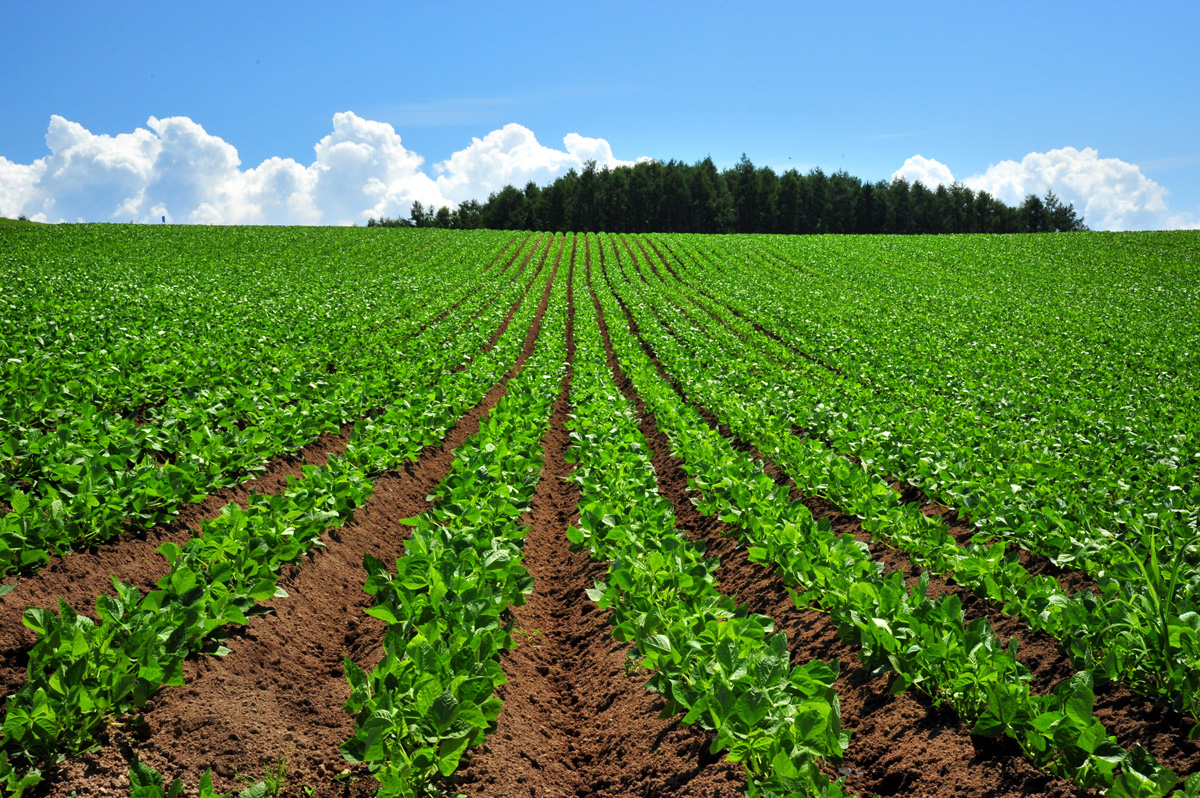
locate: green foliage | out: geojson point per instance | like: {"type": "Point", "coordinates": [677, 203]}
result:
{"type": "Point", "coordinates": [1018, 475]}
{"type": "Point", "coordinates": [711, 659]}
{"type": "Point", "coordinates": [82, 673]}
{"type": "Point", "coordinates": [924, 643]}
{"type": "Point", "coordinates": [145, 368]}
{"type": "Point", "coordinates": [446, 606]}
{"type": "Point", "coordinates": [674, 197]}
{"type": "Point", "coordinates": [146, 782]}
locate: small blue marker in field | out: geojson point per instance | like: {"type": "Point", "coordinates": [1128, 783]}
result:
{"type": "Point", "coordinates": [164, 220]}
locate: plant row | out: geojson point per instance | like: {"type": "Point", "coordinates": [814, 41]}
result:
{"type": "Point", "coordinates": [925, 643]}
{"type": "Point", "coordinates": [1024, 404]}
{"type": "Point", "coordinates": [1143, 631]}
{"type": "Point", "coordinates": [101, 475]}
{"type": "Point", "coordinates": [722, 666]}
{"type": "Point", "coordinates": [446, 606]}
{"type": "Point", "coordinates": [82, 673]}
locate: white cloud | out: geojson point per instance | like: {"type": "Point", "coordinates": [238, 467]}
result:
{"type": "Point", "coordinates": [17, 182]}
{"type": "Point", "coordinates": [1111, 194]}
{"type": "Point", "coordinates": [1184, 221]}
{"type": "Point", "coordinates": [927, 171]}
{"type": "Point", "coordinates": [175, 168]}
{"type": "Point", "coordinates": [512, 155]}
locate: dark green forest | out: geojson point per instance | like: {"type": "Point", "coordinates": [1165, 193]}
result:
{"type": "Point", "coordinates": [674, 197]}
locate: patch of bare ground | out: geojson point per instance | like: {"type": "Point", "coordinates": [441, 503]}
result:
{"type": "Point", "coordinates": [902, 745]}
{"type": "Point", "coordinates": [574, 721]}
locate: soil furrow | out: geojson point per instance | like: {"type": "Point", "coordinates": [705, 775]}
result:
{"type": "Point", "coordinates": [575, 722]}
{"type": "Point", "coordinates": [499, 255]}
{"type": "Point", "coordinates": [280, 692]}
{"type": "Point", "coordinates": [902, 744]}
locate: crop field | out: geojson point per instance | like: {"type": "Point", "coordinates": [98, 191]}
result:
{"type": "Point", "coordinates": [344, 512]}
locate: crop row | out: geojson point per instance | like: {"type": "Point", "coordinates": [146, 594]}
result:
{"type": "Point", "coordinates": [925, 642]}
{"type": "Point", "coordinates": [1138, 630]}
{"type": "Point", "coordinates": [82, 673]}
{"type": "Point", "coordinates": [99, 474]}
{"type": "Point", "coordinates": [446, 605]}
{"type": "Point", "coordinates": [722, 666]}
{"type": "Point", "coordinates": [1023, 405]}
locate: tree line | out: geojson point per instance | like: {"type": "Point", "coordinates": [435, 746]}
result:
{"type": "Point", "coordinates": [675, 197]}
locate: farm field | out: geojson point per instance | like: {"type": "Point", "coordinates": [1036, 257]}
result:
{"type": "Point", "coordinates": [489, 513]}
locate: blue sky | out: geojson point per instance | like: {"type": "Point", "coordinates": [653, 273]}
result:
{"type": "Point", "coordinates": [855, 86]}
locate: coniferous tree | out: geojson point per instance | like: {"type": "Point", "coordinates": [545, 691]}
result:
{"type": "Point", "coordinates": [652, 196]}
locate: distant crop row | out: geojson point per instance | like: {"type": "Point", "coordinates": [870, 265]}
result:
{"type": "Point", "coordinates": [1045, 389]}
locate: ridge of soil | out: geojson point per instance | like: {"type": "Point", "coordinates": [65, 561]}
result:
{"type": "Point", "coordinates": [281, 691]}
{"type": "Point", "coordinates": [574, 721]}
{"type": "Point", "coordinates": [902, 745]}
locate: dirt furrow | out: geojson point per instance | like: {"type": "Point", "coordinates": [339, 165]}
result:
{"type": "Point", "coordinates": [575, 722]}
{"type": "Point", "coordinates": [280, 692]}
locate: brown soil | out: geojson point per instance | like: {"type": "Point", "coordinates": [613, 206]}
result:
{"type": "Point", "coordinates": [902, 744]}
{"type": "Point", "coordinates": [574, 722]}
{"type": "Point", "coordinates": [281, 691]}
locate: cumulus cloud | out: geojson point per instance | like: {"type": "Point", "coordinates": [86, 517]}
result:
{"type": "Point", "coordinates": [927, 171]}
{"type": "Point", "coordinates": [512, 155]}
{"type": "Point", "coordinates": [1110, 193]}
{"type": "Point", "coordinates": [174, 168]}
